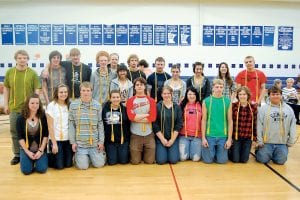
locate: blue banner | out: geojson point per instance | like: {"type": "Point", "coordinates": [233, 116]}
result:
{"type": "Point", "coordinates": [45, 34]}
{"type": "Point", "coordinates": [208, 38]}
{"type": "Point", "coordinates": [269, 35]}
{"type": "Point", "coordinates": [220, 35]}
{"type": "Point", "coordinates": [83, 34]}
{"type": "Point", "coordinates": [33, 34]}
{"type": "Point", "coordinates": [7, 34]}
{"type": "Point", "coordinates": [96, 34]}
{"type": "Point", "coordinates": [20, 34]}
{"type": "Point", "coordinates": [122, 34]}
{"type": "Point", "coordinates": [285, 38]}
{"type": "Point", "coordinates": [160, 34]}
{"type": "Point", "coordinates": [245, 35]}
{"type": "Point", "coordinates": [147, 34]}
{"type": "Point", "coordinates": [71, 34]}
{"type": "Point", "coordinates": [109, 33]}
{"type": "Point", "coordinates": [58, 34]}
{"type": "Point", "coordinates": [134, 34]}
{"type": "Point", "coordinates": [172, 31]}
{"type": "Point", "coordinates": [232, 35]}
{"type": "Point", "coordinates": [257, 33]}
{"type": "Point", "coordinates": [185, 35]}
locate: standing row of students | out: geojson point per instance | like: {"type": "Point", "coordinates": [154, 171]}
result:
{"type": "Point", "coordinates": [85, 113]}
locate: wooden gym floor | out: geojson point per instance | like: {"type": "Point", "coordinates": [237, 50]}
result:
{"type": "Point", "coordinates": [185, 180]}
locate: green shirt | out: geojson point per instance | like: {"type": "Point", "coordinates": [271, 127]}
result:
{"type": "Point", "coordinates": [21, 84]}
{"type": "Point", "coordinates": [216, 124]}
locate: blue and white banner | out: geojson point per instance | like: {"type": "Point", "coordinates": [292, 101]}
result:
{"type": "Point", "coordinates": [269, 35]}
{"type": "Point", "coordinates": [245, 35]}
{"type": "Point", "coordinates": [232, 35]}
{"type": "Point", "coordinates": [96, 34]}
{"type": "Point", "coordinates": [160, 34]}
{"type": "Point", "coordinates": [285, 38]}
{"type": "Point", "coordinates": [172, 35]}
{"type": "Point", "coordinates": [33, 34]}
{"type": "Point", "coordinates": [20, 34]}
{"type": "Point", "coordinates": [58, 34]}
{"type": "Point", "coordinates": [122, 34]}
{"type": "Point", "coordinates": [220, 35]}
{"type": "Point", "coordinates": [134, 34]}
{"type": "Point", "coordinates": [185, 35]}
{"type": "Point", "coordinates": [7, 34]}
{"type": "Point", "coordinates": [147, 34]}
{"type": "Point", "coordinates": [83, 34]}
{"type": "Point", "coordinates": [208, 38]}
{"type": "Point", "coordinates": [71, 34]}
{"type": "Point", "coordinates": [109, 34]}
{"type": "Point", "coordinates": [45, 34]}
{"type": "Point", "coordinates": [257, 35]}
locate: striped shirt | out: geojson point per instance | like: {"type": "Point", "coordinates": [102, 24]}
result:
{"type": "Point", "coordinates": [85, 124]}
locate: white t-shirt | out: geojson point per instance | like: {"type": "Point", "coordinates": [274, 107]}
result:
{"type": "Point", "coordinates": [60, 115]}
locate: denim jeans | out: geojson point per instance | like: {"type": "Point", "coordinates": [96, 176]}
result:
{"type": "Point", "coordinates": [276, 152]}
{"type": "Point", "coordinates": [117, 153]}
{"type": "Point", "coordinates": [28, 166]}
{"type": "Point", "coordinates": [190, 148]}
{"type": "Point", "coordinates": [83, 156]}
{"type": "Point", "coordinates": [216, 151]}
{"type": "Point", "coordinates": [167, 154]}
{"type": "Point", "coordinates": [64, 156]}
{"type": "Point", "coordinates": [240, 150]}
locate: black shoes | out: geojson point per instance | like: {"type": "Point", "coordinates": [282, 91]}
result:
{"type": "Point", "coordinates": [15, 161]}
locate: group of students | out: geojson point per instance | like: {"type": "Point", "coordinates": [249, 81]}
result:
{"type": "Point", "coordinates": [121, 116]}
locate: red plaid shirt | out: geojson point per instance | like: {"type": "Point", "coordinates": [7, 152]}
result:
{"type": "Point", "coordinates": [244, 121]}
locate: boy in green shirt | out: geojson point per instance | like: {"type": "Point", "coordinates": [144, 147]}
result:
{"type": "Point", "coordinates": [216, 125]}
{"type": "Point", "coordinates": [20, 82]}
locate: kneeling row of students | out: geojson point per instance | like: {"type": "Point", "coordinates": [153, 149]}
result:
{"type": "Point", "coordinates": [143, 130]}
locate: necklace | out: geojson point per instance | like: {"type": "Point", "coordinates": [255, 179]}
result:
{"type": "Point", "coordinates": [209, 115]}
{"type": "Point", "coordinates": [112, 137]}
{"type": "Point", "coordinates": [89, 119]}
{"type": "Point", "coordinates": [101, 86]}
{"type": "Point", "coordinates": [237, 120]}
{"type": "Point", "coordinates": [52, 81]}
{"type": "Point", "coordinates": [24, 84]}
{"type": "Point", "coordinates": [162, 120]}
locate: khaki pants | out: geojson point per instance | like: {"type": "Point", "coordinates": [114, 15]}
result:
{"type": "Point", "coordinates": [14, 135]}
{"type": "Point", "coordinates": [142, 145]}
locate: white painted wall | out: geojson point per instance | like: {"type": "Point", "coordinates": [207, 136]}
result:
{"type": "Point", "coordinates": [195, 13]}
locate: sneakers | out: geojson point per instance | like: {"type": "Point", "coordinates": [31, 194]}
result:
{"type": "Point", "coordinates": [15, 161]}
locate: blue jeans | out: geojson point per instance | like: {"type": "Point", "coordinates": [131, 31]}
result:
{"type": "Point", "coordinates": [167, 154]}
{"type": "Point", "coordinates": [64, 156]}
{"type": "Point", "coordinates": [190, 148]}
{"type": "Point", "coordinates": [117, 153]}
{"type": "Point", "coordinates": [240, 150]}
{"type": "Point", "coordinates": [28, 166]}
{"type": "Point", "coordinates": [276, 152]}
{"type": "Point", "coordinates": [215, 151]}
{"type": "Point", "coordinates": [83, 156]}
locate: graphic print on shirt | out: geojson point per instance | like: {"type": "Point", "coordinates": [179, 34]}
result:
{"type": "Point", "coordinates": [113, 118]}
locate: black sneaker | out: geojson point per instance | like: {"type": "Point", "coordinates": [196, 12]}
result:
{"type": "Point", "coordinates": [15, 161]}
